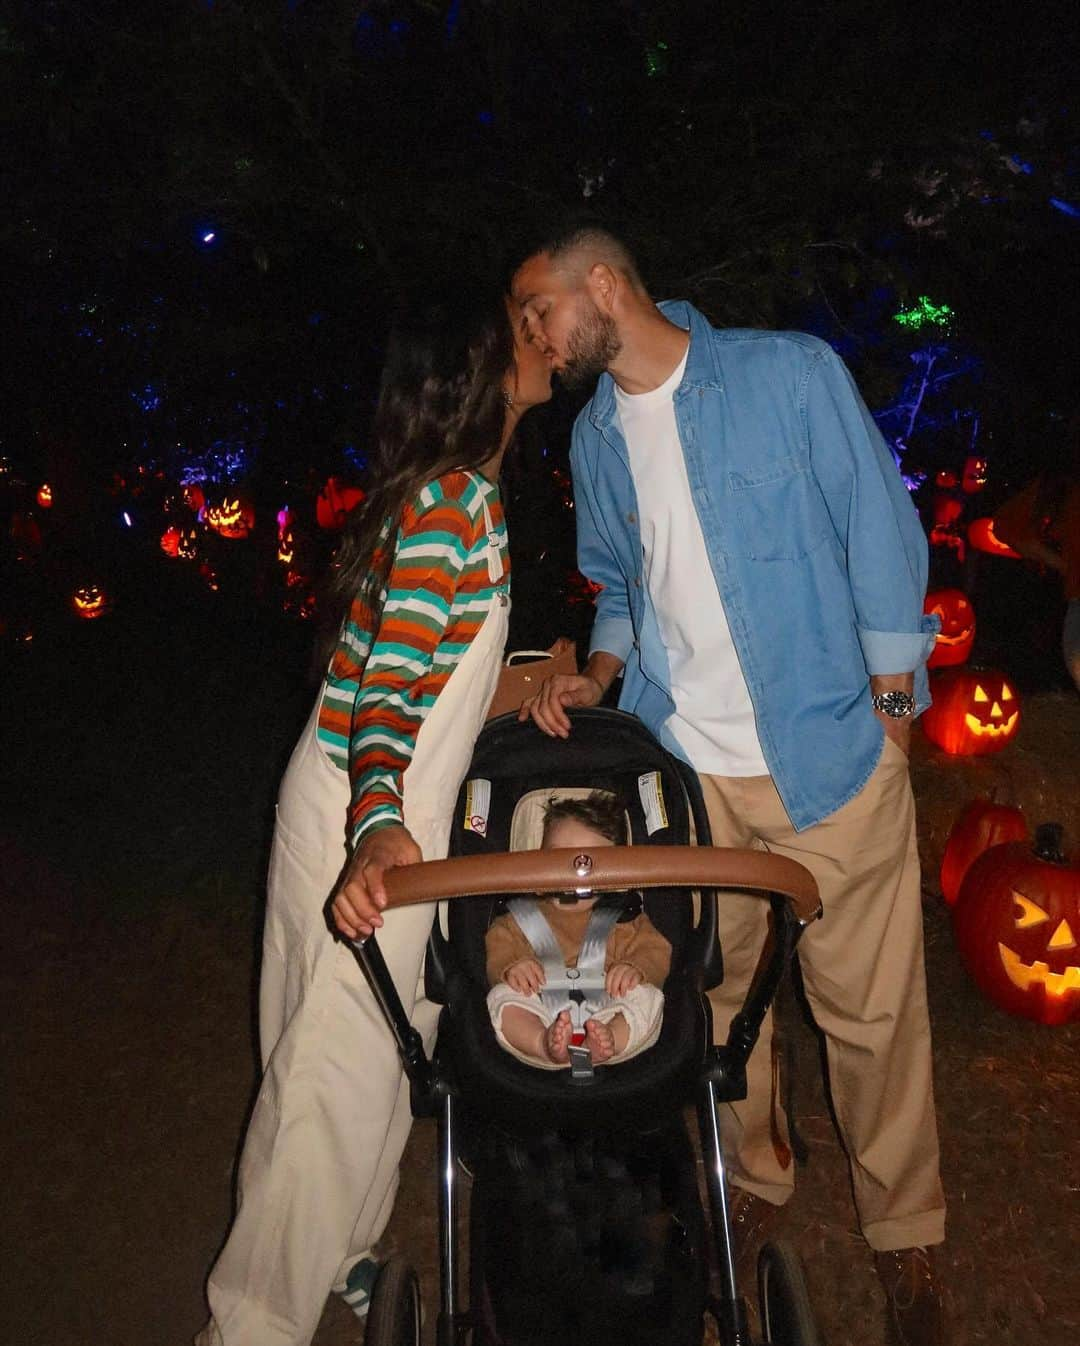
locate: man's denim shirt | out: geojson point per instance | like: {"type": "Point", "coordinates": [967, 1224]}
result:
{"type": "Point", "coordinates": [813, 541]}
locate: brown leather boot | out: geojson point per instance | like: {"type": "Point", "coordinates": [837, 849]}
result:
{"type": "Point", "coordinates": [915, 1313]}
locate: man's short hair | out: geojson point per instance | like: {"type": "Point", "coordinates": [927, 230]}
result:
{"type": "Point", "coordinates": [590, 237]}
{"type": "Point", "coordinates": [601, 812]}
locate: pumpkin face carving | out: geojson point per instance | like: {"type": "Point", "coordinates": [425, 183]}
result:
{"type": "Point", "coordinates": [89, 602]}
{"type": "Point", "coordinates": [1017, 926]}
{"type": "Point", "coordinates": [231, 517]}
{"type": "Point", "coordinates": [974, 478]}
{"type": "Point", "coordinates": [975, 711]}
{"type": "Point", "coordinates": [954, 640]}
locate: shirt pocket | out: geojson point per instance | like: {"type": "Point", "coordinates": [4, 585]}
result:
{"type": "Point", "coordinates": [779, 512]}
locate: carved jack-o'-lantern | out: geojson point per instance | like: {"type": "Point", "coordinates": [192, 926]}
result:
{"type": "Point", "coordinates": [231, 517]}
{"type": "Point", "coordinates": [1017, 922]}
{"type": "Point", "coordinates": [981, 825]}
{"type": "Point", "coordinates": [945, 480]}
{"type": "Point", "coordinates": [170, 541]}
{"type": "Point", "coordinates": [334, 503]}
{"type": "Point", "coordinates": [982, 537]}
{"type": "Point", "coordinates": [954, 640]}
{"type": "Point", "coordinates": [975, 711]}
{"type": "Point", "coordinates": [974, 476]}
{"type": "Point", "coordinates": [44, 496]}
{"type": "Point", "coordinates": [89, 601]}
{"type": "Point", "coordinates": [285, 547]}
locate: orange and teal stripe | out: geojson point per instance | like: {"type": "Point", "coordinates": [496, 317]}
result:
{"type": "Point", "coordinates": [381, 684]}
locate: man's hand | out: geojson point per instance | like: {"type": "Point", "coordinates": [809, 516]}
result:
{"type": "Point", "coordinates": [571, 691]}
{"type": "Point", "coordinates": [361, 897]}
{"type": "Point", "coordinates": [525, 976]}
{"type": "Point", "coordinates": [548, 707]}
{"type": "Point", "coordinates": [621, 977]}
{"type": "Point", "coordinates": [898, 730]}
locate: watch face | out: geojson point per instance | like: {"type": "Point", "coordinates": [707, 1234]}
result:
{"type": "Point", "coordinates": [896, 704]}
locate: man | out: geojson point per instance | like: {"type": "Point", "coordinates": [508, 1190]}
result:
{"type": "Point", "coordinates": [763, 575]}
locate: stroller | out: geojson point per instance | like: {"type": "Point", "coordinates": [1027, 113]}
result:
{"type": "Point", "coordinates": [586, 1220]}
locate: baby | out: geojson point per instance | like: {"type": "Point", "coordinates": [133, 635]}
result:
{"type": "Point", "coordinates": [625, 1018]}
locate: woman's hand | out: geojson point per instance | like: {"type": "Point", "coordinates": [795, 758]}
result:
{"type": "Point", "coordinates": [361, 897]}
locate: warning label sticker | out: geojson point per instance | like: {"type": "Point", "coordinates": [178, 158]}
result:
{"type": "Point", "coordinates": [652, 801]}
{"type": "Point", "coordinates": [477, 805]}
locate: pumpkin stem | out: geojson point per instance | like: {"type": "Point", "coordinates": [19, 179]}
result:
{"type": "Point", "coordinates": [1048, 838]}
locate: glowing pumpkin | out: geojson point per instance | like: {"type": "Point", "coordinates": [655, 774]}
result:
{"type": "Point", "coordinates": [981, 825]}
{"type": "Point", "coordinates": [44, 496]}
{"type": "Point", "coordinates": [335, 502]}
{"type": "Point", "coordinates": [981, 536]}
{"type": "Point", "coordinates": [170, 541]}
{"type": "Point", "coordinates": [974, 475]}
{"type": "Point", "coordinates": [285, 546]}
{"type": "Point", "coordinates": [954, 640]}
{"type": "Point", "coordinates": [231, 517]}
{"type": "Point", "coordinates": [89, 602]}
{"type": "Point", "coordinates": [1016, 923]}
{"type": "Point", "coordinates": [975, 711]}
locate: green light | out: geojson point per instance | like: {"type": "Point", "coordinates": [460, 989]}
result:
{"type": "Point", "coordinates": [656, 60]}
{"type": "Point", "coordinates": [923, 312]}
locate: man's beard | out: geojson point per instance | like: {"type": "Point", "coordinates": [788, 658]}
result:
{"type": "Point", "coordinates": [590, 348]}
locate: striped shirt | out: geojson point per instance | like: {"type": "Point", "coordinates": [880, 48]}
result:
{"type": "Point", "coordinates": [381, 683]}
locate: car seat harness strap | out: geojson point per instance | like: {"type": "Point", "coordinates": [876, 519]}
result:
{"type": "Point", "coordinates": [578, 989]}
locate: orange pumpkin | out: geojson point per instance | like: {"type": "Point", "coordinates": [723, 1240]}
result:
{"type": "Point", "coordinates": [975, 711]}
{"type": "Point", "coordinates": [981, 825]}
{"type": "Point", "coordinates": [335, 502]}
{"type": "Point", "coordinates": [982, 537]}
{"type": "Point", "coordinates": [89, 602]}
{"type": "Point", "coordinates": [232, 516]}
{"type": "Point", "coordinates": [1016, 924]}
{"type": "Point", "coordinates": [954, 640]}
{"type": "Point", "coordinates": [44, 496]}
{"type": "Point", "coordinates": [974, 475]}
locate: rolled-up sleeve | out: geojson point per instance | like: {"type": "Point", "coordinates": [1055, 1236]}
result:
{"type": "Point", "coordinates": [875, 522]}
{"type": "Point", "coordinates": [613, 628]}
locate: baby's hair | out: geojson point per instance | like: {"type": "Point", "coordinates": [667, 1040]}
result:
{"type": "Point", "coordinates": [602, 812]}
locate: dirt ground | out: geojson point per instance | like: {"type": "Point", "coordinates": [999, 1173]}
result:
{"type": "Point", "coordinates": [130, 862]}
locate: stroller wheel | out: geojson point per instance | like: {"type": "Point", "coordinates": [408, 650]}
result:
{"type": "Point", "coordinates": [786, 1316]}
{"type": "Point", "coordinates": [394, 1318]}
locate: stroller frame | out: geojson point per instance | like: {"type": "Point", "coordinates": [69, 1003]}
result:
{"type": "Point", "coordinates": [788, 887]}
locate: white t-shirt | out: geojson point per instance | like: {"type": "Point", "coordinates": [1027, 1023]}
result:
{"type": "Point", "coordinates": [714, 716]}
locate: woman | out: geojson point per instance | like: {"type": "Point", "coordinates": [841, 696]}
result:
{"type": "Point", "coordinates": [422, 579]}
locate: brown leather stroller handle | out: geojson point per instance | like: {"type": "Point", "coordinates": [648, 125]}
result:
{"type": "Point", "coordinates": [607, 868]}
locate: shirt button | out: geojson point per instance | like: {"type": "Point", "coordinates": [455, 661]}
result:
{"type": "Point", "coordinates": [637, 581]}
{"type": "Point", "coordinates": [631, 517]}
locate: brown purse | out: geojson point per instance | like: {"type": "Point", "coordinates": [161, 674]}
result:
{"type": "Point", "coordinates": [525, 671]}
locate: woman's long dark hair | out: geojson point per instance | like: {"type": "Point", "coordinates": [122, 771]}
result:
{"type": "Point", "coordinates": [440, 407]}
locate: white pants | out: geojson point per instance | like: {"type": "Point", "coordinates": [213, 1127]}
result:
{"type": "Point", "coordinates": [642, 1008]}
{"type": "Point", "coordinates": [318, 1173]}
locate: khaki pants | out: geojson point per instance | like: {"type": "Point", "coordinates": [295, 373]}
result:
{"type": "Point", "coordinates": [862, 967]}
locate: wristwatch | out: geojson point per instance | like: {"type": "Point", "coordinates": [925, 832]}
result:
{"type": "Point", "coordinates": [897, 705]}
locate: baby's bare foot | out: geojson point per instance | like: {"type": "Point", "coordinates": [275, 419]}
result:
{"type": "Point", "coordinates": [600, 1041]}
{"type": "Point", "coordinates": [557, 1039]}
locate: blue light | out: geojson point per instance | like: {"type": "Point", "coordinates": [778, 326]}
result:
{"type": "Point", "coordinates": [209, 236]}
{"type": "Point", "coordinates": [126, 518]}
{"type": "Point", "coordinates": [485, 118]}
{"type": "Point", "coordinates": [1066, 207]}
